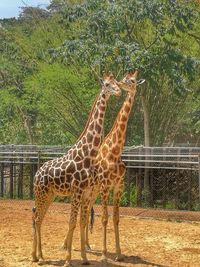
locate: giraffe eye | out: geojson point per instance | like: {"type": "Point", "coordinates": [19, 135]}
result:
{"type": "Point", "coordinates": [127, 81]}
{"type": "Point", "coordinates": [106, 84]}
{"type": "Point", "coordinates": [133, 80]}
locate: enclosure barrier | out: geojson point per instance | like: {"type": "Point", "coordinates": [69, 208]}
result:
{"type": "Point", "coordinates": [157, 178]}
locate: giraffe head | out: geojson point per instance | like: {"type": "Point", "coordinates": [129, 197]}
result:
{"type": "Point", "coordinates": [129, 82]}
{"type": "Point", "coordinates": [110, 85]}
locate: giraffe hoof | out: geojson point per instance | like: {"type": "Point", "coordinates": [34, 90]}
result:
{"type": "Point", "coordinates": [35, 259]}
{"type": "Point", "coordinates": [119, 258]}
{"type": "Point", "coordinates": [103, 259]}
{"type": "Point", "coordinates": [68, 264]}
{"type": "Point", "coordinates": [87, 247]}
{"type": "Point", "coordinates": [64, 247]}
{"type": "Point", "coordinates": [86, 262]}
{"type": "Point", "coordinates": [41, 261]}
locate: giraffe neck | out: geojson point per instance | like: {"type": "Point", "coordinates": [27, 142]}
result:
{"type": "Point", "coordinates": [89, 118]}
{"type": "Point", "coordinates": [91, 136]}
{"type": "Point", "coordinates": [116, 137]}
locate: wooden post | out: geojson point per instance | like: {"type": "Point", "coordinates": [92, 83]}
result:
{"type": "Point", "coordinates": [11, 180]}
{"type": "Point", "coordinates": [177, 200]}
{"type": "Point", "coordinates": [14, 180]}
{"type": "Point", "coordinates": [151, 176]}
{"type": "Point", "coordinates": [31, 181]}
{"type": "Point", "coordinates": [177, 203]}
{"type": "Point", "coordinates": [128, 183]}
{"type": "Point", "coordinates": [38, 159]}
{"type": "Point", "coordinates": [199, 176]}
{"type": "Point", "coordinates": [11, 174]}
{"type": "Point", "coordinates": [189, 192]}
{"type": "Point", "coordinates": [2, 179]}
{"type": "Point", "coordinates": [139, 188]}
{"type": "Point", "coordinates": [151, 152]}
{"type": "Point", "coordinates": [164, 184]}
{"type": "Point", "coordinates": [139, 184]}
{"type": "Point", "coordinates": [164, 200]}
{"type": "Point", "coordinates": [20, 181]}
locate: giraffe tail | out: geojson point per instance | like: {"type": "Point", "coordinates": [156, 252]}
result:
{"type": "Point", "coordinates": [33, 217]}
{"type": "Point", "coordinates": [91, 224]}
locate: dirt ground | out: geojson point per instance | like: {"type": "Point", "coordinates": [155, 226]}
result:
{"type": "Point", "coordinates": [144, 242]}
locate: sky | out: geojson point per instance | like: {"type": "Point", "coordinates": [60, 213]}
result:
{"type": "Point", "coordinates": [11, 8]}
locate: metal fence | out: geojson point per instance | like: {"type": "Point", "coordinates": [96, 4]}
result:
{"type": "Point", "coordinates": [157, 178]}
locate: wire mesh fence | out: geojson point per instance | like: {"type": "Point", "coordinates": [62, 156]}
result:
{"type": "Point", "coordinates": [161, 182]}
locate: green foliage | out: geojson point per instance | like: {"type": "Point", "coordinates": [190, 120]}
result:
{"type": "Point", "coordinates": [51, 58]}
{"type": "Point", "coordinates": [124, 199]}
{"type": "Point", "coordinates": [133, 195]}
{"type": "Point", "coordinates": [122, 35]}
{"type": "Point", "coordinates": [45, 103]}
{"type": "Point", "coordinates": [148, 35]}
{"type": "Point", "coordinates": [58, 94]}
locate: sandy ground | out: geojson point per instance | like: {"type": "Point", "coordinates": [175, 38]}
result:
{"type": "Point", "coordinates": [144, 242]}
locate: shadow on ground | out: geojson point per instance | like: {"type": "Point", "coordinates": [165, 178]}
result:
{"type": "Point", "coordinates": [127, 259]}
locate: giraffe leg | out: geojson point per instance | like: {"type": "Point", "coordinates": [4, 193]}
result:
{"type": "Point", "coordinates": [104, 200]}
{"type": "Point", "coordinates": [116, 200]}
{"type": "Point", "coordinates": [34, 250]}
{"type": "Point", "coordinates": [64, 246]}
{"type": "Point", "coordinates": [87, 245]}
{"type": "Point", "coordinates": [92, 201]}
{"type": "Point", "coordinates": [75, 204]}
{"type": "Point", "coordinates": [42, 203]}
{"type": "Point", "coordinates": [83, 222]}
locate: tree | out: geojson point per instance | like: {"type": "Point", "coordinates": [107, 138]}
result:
{"type": "Point", "coordinates": [148, 35]}
{"type": "Point", "coordinates": [31, 83]}
{"type": "Point", "coordinates": [160, 38]}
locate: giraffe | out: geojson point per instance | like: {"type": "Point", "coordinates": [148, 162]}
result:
{"type": "Point", "coordinates": [71, 174]}
{"type": "Point", "coordinates": [109, 167]}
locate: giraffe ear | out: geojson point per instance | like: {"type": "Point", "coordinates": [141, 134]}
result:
{"type": "Point", "coordinates": [105, 75]}
{"type": "Point", "coordinates": [111, 75]}
{"type": "Point", "coordinates": [131, 72]}
{"type": "Point", "coordinates": [141, 81]}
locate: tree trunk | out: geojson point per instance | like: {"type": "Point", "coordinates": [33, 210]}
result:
{"type": "Point", "coordinates": [147, 144]}
{"type": "Point", "coordinates": [27, 125]}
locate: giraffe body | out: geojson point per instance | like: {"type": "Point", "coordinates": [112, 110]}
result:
{"type": "Point", "coordinates": [71, 175]}
{"type": "Point", "coordinates": [109, 167]}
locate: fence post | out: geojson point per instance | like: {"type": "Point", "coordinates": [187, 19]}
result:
{"type": "Point", "coordinates": [11, 174]}
{"type": "Point", "coordinates": [164, 183]}
{"type": "Point", "coordinates": [38, 159]}
{"type": "Point", "coordinates": [128, 183]}
{"type": "Point", "coordinates": [177, 201]}
{"type": "Point", "coordinates": [11, 180]}
{"type": "Point", "coordinates": [20, 181]}
{"type": "Point", "coordinates": [139, 184]}
{"type": "Point", "coordinates": [31, 181]}
{"type": "Point", "coordinates": [199, 176]}
{"type": "Point", "coordinates": [138, 188]}
{"type": "Point", "coordinates": [146, 177]}
{"type": "Point", "coordinates": [189, 193]}
{"type": "Point", "coordinates": [2, 180]}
